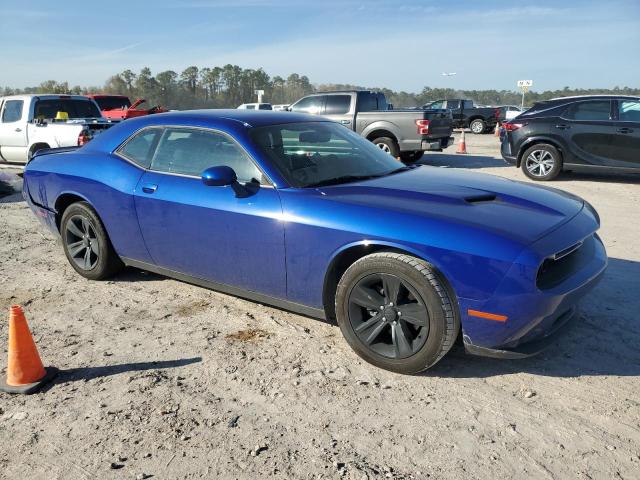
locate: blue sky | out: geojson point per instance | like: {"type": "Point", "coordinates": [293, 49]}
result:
{"type": "Point", "coordinates": [403, 45]}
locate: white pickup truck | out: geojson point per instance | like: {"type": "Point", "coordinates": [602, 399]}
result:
{"type": "Point", "coordinates": [29, 123]}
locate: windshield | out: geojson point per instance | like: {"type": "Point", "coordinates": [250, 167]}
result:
{"type": "Point", "coordinates": [113, 103]}
{"type": "Point", "coordinates": [317, 153]}
{"type": "Point", "coordinates": [74, 108]}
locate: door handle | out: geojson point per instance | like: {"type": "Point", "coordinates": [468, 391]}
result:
{"type": "Point", "coordinates": [563, 126]}
{"type": "Point", "coordinates": [18, 129]}
{"type": "Point", "coordinates": [149, 188]}
{"type": "Point", "coordinates": [625, 130]}
{"type": "Point", "coordinates": [345, 122]}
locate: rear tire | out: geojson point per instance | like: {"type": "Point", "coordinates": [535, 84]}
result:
{"type": "Point", "coordinates": [86, 243]}
{"type": "Point", "coordinates": [406, 329]}
{"type": "Point", "coordinates": [478, 126]}
{"type": "Point", "coordinates": [388, 145]}
{"type": "Point", "coordinates": [34, 149]}
{"type": "Point", "coordinates": [411, 157]}
{"type": "Point", "coordinates": [541, 162]}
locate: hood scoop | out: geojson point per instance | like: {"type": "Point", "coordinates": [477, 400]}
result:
{"type": "Point", "coordinates": [481, 198]}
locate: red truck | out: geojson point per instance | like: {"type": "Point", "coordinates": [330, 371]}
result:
{"type": "Point", "coordinates": [119, 107]}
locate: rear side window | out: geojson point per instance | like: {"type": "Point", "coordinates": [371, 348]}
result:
{"type": "Point", "coordinates": [595, 110]}
{"type": "Point", "coordinates": [12, 111]}
{"type": "Point", "coordinates": [337, 104]}
{"type": "Point", "coordinates": [140, 147]}
{"type": "Point", "coordinates": [264, 106]}
{"type": "Point", "coordinates": [309, 105]}
{"type": "Point", "coordinates": [629, 111]}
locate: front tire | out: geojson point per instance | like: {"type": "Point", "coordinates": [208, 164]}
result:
{"type": "Point", "coordinates": [395, 312]}
{"type": "Point", "coordinates": [86, 243]}
{"type": "Point", "coordinates": [388, 145]}
{"type": "Point", "coordinates": [542, 162]}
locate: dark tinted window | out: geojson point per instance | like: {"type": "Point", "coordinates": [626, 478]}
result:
{"type": "Point", "coordinates": [141, 146]}
{"type": "Point", "coordinates": [309, 105]}
{"type": "Point", "coordinates": [337, 104]}
{"type": "Point", "coordinates": [629, 110]}
{"type": "Point", "coordinates": [466, 104]}
{"type": "Point", "coordinates": [264, 106]}
{"type": "Point", "coordinates": [74, 108]}
{"type": "Point", "coordinates": [595, 110]}
{"type": "Point", "coordinates": [113, 103]}
{"type": "Point", "coordinates": [12, 111]}
{"type": "Point", "coordinates": [191, 151]}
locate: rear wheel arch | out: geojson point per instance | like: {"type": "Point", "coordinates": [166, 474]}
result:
{"type": "Point", "coordinates": [64, 201]}
{"type": "Point", "coordinates": [380, 132]}
{"type": "Point", "coordinates": [35, 147]}
{"type": "Point", "coordinates": [536, 141]}
{"type": "Point", "coordinates": [347, 257]}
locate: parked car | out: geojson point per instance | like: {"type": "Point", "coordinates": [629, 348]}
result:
{"type": "Point", "coordinates": [29, 123]}
{"type": "Point", "coordinates": [597, 132]}
{"type": "Point", "coordinates": [299, 212]}
{"type": "Point", "coordinates": [401, 133]}
{"type": "Point", "coordinates": [508, 112]}
{"type": "Point", "coordinates": [255, 106]}
{"type": "Point", "coordinates": [119, 107]}
{"type": "Point", "coordinates": [466, 115]}
{"type": "Point", "coordinates": [281, 107]}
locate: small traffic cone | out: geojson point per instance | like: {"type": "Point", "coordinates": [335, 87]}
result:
{"type": "Point", "coordinates": [462, 146]}
{"type": "Point", "coordinates": [25, 372]}
{"type": "Point", "coordinates": [497, 132]}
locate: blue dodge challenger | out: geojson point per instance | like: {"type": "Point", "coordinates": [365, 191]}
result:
{"type": "Point", "coordinates": [299, 212]}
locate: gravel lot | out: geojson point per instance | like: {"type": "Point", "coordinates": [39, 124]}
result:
{"type": "Point", "coordinates": [161, 379]}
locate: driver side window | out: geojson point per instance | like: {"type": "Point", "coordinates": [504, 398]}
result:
{"type": "Point", "coordinates": [189, 151]}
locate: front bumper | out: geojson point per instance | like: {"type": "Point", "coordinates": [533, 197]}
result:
{"type": "Point", "coordinates": [536, 310]}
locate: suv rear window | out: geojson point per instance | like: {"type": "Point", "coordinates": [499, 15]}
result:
{"type": "Point", "coordinates": [594, 110]}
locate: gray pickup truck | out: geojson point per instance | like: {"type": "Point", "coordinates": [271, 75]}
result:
{"type": "Point", "coordinates": [402, 133]}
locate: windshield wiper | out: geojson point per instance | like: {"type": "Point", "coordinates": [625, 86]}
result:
{"type": "Point", "coordinates": [342, 179]}
{"type": "Point", "coordinates": [354, 178]}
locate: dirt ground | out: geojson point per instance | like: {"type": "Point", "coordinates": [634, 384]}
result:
{"type": "Point", "coordinates": [160, 379]}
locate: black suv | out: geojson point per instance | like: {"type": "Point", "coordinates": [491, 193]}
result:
{"type": "Point", "coordinates": [588, 132]}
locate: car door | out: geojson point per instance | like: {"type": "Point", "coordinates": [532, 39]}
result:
{"type": "Point", "coordinates": [231, 235]}
{"type": "Point", "coordinates": [587, 128]}
{"type": "Point", "coordinates": [625, 142]}
{"type": "Point", "coordinates": [13, 131]}
{"type": "Point", "coordinates": [457, 111]}
{"type": "Point", "coordinates": [340, 108]}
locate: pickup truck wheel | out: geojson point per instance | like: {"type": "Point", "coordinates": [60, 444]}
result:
{"type": "Point", "coordinates": [34, 149]}
{"type": "Point", "coordinates": [395, 312]}
{"type": "Point", "coordinates": [387, 145]}
{"type": "Point", "coordinates": [478, 126]}
{"type": "Point", "coordinates": [411, 157]}
{"type": "Point", "coordinates": [86, 243]}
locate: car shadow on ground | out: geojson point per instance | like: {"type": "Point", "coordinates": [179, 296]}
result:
{"type": "Point", "coordinates": [89, 373]}
{"type": "Point", "coordinates": [629, 178]}
{"type": "Point", "coordinates": [461, 161]}
{"type": "Point", "coordinates": [604, 341]}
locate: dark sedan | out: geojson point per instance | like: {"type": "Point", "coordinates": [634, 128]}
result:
{"type": "Point", "coordinates": [590, 132]}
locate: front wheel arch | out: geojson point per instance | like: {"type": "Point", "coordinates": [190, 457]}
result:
{"type": "Point", "coordinates": [348, 255]}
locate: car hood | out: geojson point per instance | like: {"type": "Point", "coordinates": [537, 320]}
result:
{"type": "Point", "coordinates": [512, 209]}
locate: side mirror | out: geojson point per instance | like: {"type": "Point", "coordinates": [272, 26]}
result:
{"type": "Point", "coordinates": [219, 176]}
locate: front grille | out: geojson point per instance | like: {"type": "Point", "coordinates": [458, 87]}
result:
{"type": "Point", "coordinates": [557, 268]}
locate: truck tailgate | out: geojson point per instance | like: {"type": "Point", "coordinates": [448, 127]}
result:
{"type": "Point", "coordinates": [440, 123]}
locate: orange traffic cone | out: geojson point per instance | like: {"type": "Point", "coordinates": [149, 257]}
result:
{"type": "Point", "coordinates": [25, 372]}
{"type": "Point", "coordinates": [462, 146]}
{"type": "Point", "coordinates": [497, 132]}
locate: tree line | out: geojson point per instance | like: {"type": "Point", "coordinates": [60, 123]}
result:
{"type": "Point", "coordinates": [231, 85]}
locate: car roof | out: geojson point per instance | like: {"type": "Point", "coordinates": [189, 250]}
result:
{"type": "Point", "coordinates": [588, 97]}
{"type": "Point", "coordinates": [44, 96]}
{"type": "Point", "coordinates": [253, 118]}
